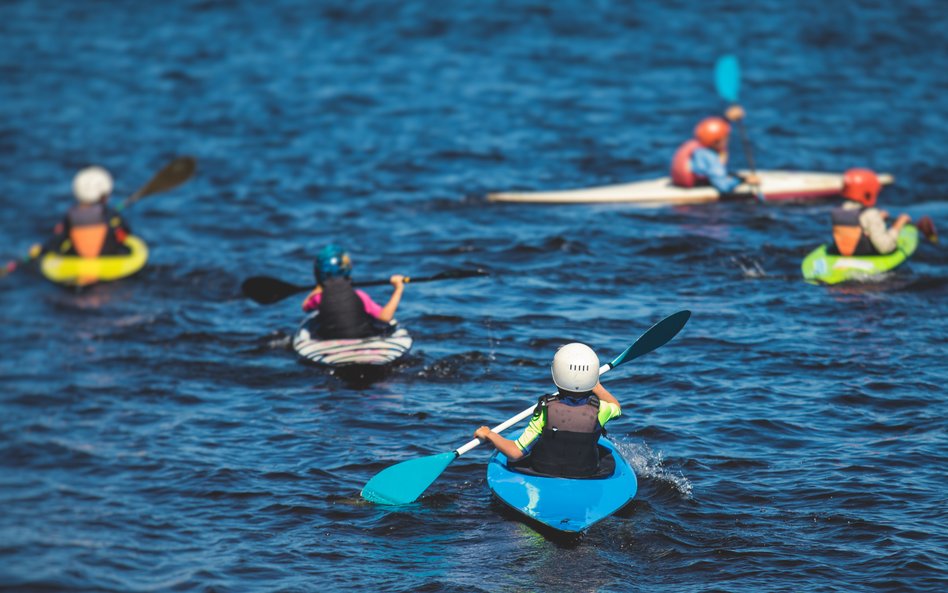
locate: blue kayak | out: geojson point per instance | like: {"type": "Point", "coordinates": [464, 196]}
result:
{"type": "Point", "coordinates": [564, 504]}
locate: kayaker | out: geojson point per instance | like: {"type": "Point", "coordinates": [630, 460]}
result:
{"type": "Point", "coordinates": [858, 227]}
{"type": "Point", "coordinates": [91, 227]}
{"type": "Point", "coordinates": [703, 159]}
{"type": "Point", "coordinates": [346, 312]}
{"type": "Point", "coordinates": [563, 434]}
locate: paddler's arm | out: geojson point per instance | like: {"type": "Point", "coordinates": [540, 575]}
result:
{"type": "Point", "coordinates": [873, 224]}
{"type": "Point", "coordinates": [504, 445]}
{"type": "Point", "coordinates": [388, 311]}
{"type": "Point", "coordinates": [60, 234]}
{"type": "Point", "coordinates": [118, 224]}
{"type": "Point", "coordinates": [706, 163]}
{"type": "Point", "coordinates": [603, 394]}
{"type": "Point", "coordinates": [307, 306]}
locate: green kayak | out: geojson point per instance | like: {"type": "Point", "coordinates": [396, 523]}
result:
{"type": "Point", "coordinates": [820, 266]}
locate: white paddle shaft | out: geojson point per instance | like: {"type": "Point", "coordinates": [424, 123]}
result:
{"type": "Point", "coordinates": [511, 421]}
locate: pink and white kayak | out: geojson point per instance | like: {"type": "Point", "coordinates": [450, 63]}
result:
{"type": "Point", "coordinates": [776, 186]}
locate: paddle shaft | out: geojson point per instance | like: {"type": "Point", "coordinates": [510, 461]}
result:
{"type": "Point", "coordinates": [298, 288]}
{"type": "Point", "coordinates": [415, 279]}
{"type": "Point", "coordinates": [727, 81]}
{"type": "Point", "coordinates": [266, 290]}
{"type": "Point", "coordinates": [745, 143]}
{"type": "Point", "coordinates": [749, 156]}
{"type": "Point", "coordinates": [405, 280]}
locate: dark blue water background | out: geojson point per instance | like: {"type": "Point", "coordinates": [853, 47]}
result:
{"type": "Point", "coordinates": [159, 434]}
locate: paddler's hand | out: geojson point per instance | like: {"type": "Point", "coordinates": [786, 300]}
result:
{"type": "Point", "coordinates": [36, 250]}
{"type": "Point", "coordinates": [751, 179]}
{"type": "Point", "coordinates": [397, 280]}
{"type": "Point", "coordinates": [902, 220]}
{"type": "Point", "coordinates": [482, 433]}
{"type": "Point", "coordinates": [734, 113]}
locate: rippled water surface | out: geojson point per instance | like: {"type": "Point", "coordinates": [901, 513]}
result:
{"type": "Point", "coordinates": [159, 434]}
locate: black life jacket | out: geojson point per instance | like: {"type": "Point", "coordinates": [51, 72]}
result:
{"type": "Point", "coordinates": [848, 236]}
{"type": "Point", "coordinates": [342, 314]}
{"type": "Point", "coordinates": [569, 444]}
{"type": "Point", "coordinates": [92, 231]}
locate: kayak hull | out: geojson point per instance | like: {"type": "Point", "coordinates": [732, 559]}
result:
{"type": "Point", "coordinates": [73, 270]}
{"type": "Point", "coordinates": [820, 266]}
{"type": "Point", "coordinates": [371, 351]}
{"type": "Point", "coordinates": [563, 505]}
{"type": "Point", "coordinates": [776, 186]}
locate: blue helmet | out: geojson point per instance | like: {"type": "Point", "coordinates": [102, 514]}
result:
{"type": "Point", "coordinates": [332, 261]}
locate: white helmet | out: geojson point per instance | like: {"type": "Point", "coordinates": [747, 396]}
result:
{"type": "Point", "coordinates": [575, 368]}
{"type": "Point", "coordinates": [92, 184]}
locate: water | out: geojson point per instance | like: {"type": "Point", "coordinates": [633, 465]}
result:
{"type": "Point", "coordinates": [159, 434]}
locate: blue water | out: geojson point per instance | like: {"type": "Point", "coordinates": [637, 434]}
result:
{"type": "Point", "coordinates": [158, 434]}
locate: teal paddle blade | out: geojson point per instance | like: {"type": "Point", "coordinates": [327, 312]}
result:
{"type": "Point", "coordinates": [658, 335]}
{"type": "Point", "coordinates": [404, 482]}
{"type": "Point", "coordinates": [727, 78]}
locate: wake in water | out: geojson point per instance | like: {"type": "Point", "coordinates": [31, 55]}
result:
{"type": "Point", "coordinates": [279, 341]}
{"type": "Point", "coordinates": [648, 463]}
{"type": "Point", "coordinates": [750, 268]}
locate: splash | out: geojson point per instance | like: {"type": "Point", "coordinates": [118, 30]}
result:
{"type": "Point", "coordinates": [279, 341]}
{"type": "Point", "coordinates": [749, 267]}
{"type": "Point", "coordinates": [648, 463]}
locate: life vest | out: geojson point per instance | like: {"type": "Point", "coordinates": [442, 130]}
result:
{"type": "Point", "coordinates": [568, 446]}
{"type": "Point", "coordinates": [848, 236]}
{"type": "Point", "coordinates": [342, 314]}
{"type": "Point", "coordinates": [95, 230]}
{"type": "Point", "coordinates": [88, 229]}
{"type": "Point", "coordinates": [681, 173]}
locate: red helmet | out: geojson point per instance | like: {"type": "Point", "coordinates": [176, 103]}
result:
{"type": "Point", "coordinates": [861, 185]}
{"type": "Point", "coordinates": [711, 131]}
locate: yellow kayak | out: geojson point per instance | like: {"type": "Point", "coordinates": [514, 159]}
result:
{"type": "Point", "coordinates": [72, 270]}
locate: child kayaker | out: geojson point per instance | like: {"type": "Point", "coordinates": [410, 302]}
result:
{"type": "Point", "coordinates": [703, 159]}
{"type": "Point", "coordinates": [91, 227]}
{"type": "Point", "coordinates": [346, 312]}
{"type": "Point", "coordinates": [858, 227]}
{"type": "Point", "coordinates": [563, 434]}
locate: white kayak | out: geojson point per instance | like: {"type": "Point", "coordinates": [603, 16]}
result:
{"type": "Point", "coordinates": [371, 351]}
{"type": "Point", "coordinates": [775, 186]}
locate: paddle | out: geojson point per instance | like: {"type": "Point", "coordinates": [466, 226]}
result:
{"type": "Point", "coordinates": [266, 290]}
{"type": "Point", "coordinates": [404, 482]}
{"type": "Point", "coordinates": [172, 175]}
{"type": "Point", "coordinates": [727, 80]}
{"type": "Point", "coordinates": [927, 228]}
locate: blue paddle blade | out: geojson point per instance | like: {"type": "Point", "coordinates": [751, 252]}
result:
{"type": "Point", "coordinates": [727, 78]}
{"type": "Point", "coordinates": [404, 482]}
{"type": "Point", "coordinates": [658, 335]}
